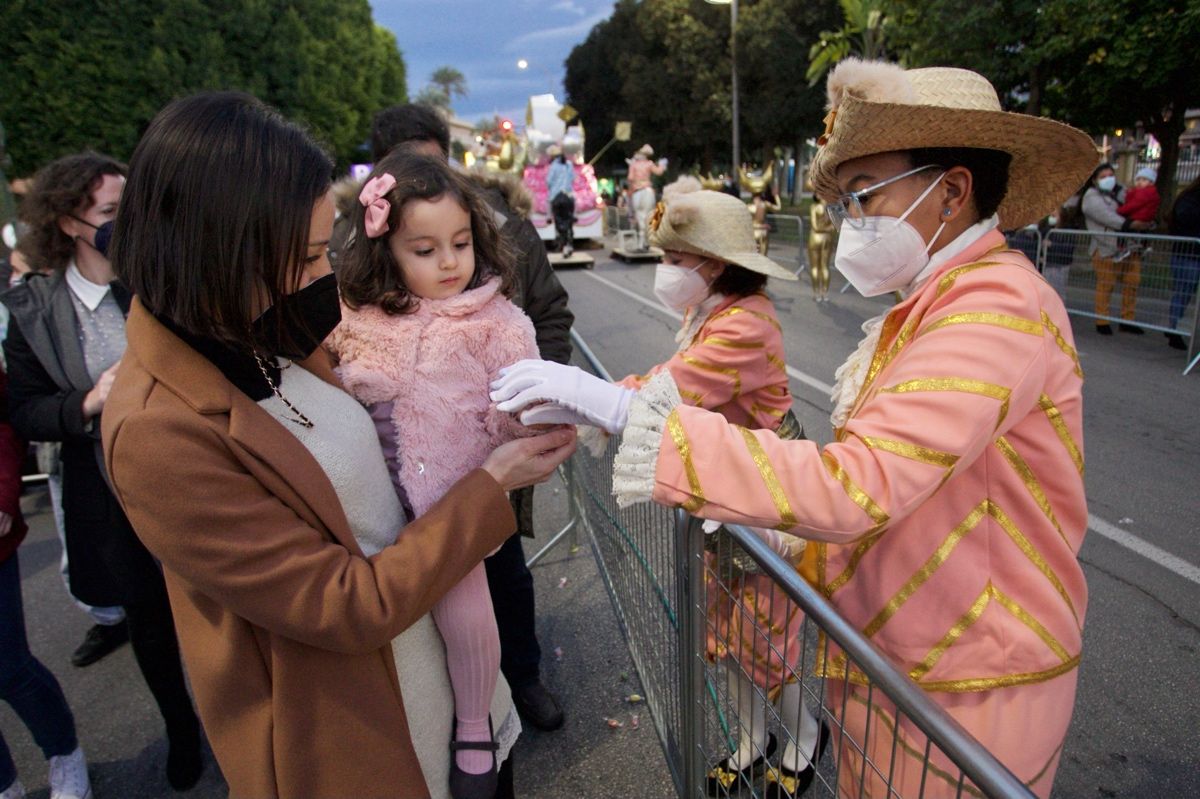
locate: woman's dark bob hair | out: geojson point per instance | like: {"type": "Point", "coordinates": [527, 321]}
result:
{"type": "Point", "coordinates": [216, 212]}
{"type": "Point", "coordinates": [368, 273]}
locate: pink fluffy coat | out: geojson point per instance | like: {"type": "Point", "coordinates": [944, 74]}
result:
{"type": "Point", "coordinates": [435, 366]}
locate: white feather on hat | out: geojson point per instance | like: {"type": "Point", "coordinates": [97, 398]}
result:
{"type": "Point", "coordinates": [875, 81]}
{"type": "Point", "coordinates": [686, 184]}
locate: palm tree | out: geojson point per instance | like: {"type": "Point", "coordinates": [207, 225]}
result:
{"type": "Point", "coordinates": [862, 34]}
{"type": "Point", "coordinates": [450, 81]}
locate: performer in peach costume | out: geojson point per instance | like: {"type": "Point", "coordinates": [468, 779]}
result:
{"type": "Point", "coordinates": [950, 509]}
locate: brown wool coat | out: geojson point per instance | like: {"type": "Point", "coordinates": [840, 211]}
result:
{"type": "Point", "coordinates": [285, 626]}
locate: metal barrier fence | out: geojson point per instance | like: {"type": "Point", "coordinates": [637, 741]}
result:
{"type": "Point", "coordinates": [1142, 281]}
{"type": "Point", "coordinates": [728, 639]}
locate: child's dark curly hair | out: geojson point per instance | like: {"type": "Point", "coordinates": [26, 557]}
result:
{"type": "Point", "coordinates": [62, 188]}
{"type": "Point", "coordinates": [370, 275]}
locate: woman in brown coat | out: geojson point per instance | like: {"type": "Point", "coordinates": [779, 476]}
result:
{"type": "Point", "coordinates": [258, 483]}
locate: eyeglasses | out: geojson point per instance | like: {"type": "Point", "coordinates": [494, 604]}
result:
{"type": "Point", "coordinates": [849, 207]}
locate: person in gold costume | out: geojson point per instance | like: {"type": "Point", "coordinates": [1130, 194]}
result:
{"type": "Point", "coordinates": [821, 240]}
{"type": "Point", "coordinates": [763, 203]}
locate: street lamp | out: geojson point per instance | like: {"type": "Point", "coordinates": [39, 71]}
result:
{"type": "Point", "coordinates": [522, 64]}
{"type": "Point", "coordinates": [737, 144]}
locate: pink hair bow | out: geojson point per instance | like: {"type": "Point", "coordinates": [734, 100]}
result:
{"type": "Point", "coordinates": [372, 197]}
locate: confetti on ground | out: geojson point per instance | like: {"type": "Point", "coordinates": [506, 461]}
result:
{"type": "Point", "coordinates": [1126, 520]}
{"type": "Point", "coordinates": [614, 724]}
{"type": "Point", "coordinates": [624, 676]}
{"type": "Point", "coordinates": [633, 699]}
{"type": "Point", "coordinates": [558, 653]}
{"type": "Point", "coordinates": [562, 582]}
{"type": "Point", "coordinates": [633, 721]}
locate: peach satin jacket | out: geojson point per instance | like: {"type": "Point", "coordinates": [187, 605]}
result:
{"type": "Point", "coordinates": [948, 512]}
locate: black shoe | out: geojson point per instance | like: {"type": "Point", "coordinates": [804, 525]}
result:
{"type": "Point", "coordinates": [474, 786]}
{"type": "Point", "coordinates": [1176, 342]}
{"type": "Point", "coordinates": [185, 759]}
{"type": "Point", "coordinates": [722, 779]}
{"type": "Point", "coordinates": [537, 706]}
{"type": "Point", "coordinates": [1104, 329]}
{"type": "Point", "coordinates": [99, 641]}
{"type": "Point", "coordinates": [1134, 329]}
{"type": "Point", "coordinates": [783, 783]}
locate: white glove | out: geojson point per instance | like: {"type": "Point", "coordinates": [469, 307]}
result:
{"type": "Point", "coordinates": [592, 400]}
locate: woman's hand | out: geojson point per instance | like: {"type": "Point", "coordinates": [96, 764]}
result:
{"type": "Point", "coordinates": [93, 401]}
{"type": "Point", "coordinates": [527, 461]}
{"type": "Point", "coordinates": [531, 382]}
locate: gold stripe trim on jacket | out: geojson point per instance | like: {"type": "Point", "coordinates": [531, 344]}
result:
{"type": "Point", "coordinates": [1027, 618]}
{"type": "Point", "coordinates": [926, 571]}
{"type": "Point", "coordinates": [898, 735]}
{"type": "Point", "coordinates": [787, 518]}
{"type": "Point", "coordinates": [966, 385]}
{"type": "Point", "coordinates": [1060, 427]}
{"type": "Point", "coordinates": [694, 397]}
{"type": "Point", "coordinates": [932, 457]}
{"type": "Point", "coordinates": [948, 280]}
{"type": "Point", "coordinates": [975, 684]}
{"type": "Point", "coordinates": [728, 371]}
{"type": "Point", "coordinates": [775, 361]}
{"type": "Point", "coordinates": [758, 407]}
{"type": "Point", "coordinates": [1016, 323]}
{"type": "Point", "coordinates": [720, 341]}
{"type": "Point", "coordinates": [860, 551]}
{"type": "Point", "coordinates": [679, 437]}
{"type": "Point", "coordinates": [1025, 472]}
{"type": "Point", "coordinates": [737, 309]}
{"type": "Point", "coordinates": [1027, 548]}
{"type": "Point", "coordinates": [953, 634]}
{"type": "Point", "coordinates": [1067, 349]}
{"type": "Point", "coordinates": [856, 494]}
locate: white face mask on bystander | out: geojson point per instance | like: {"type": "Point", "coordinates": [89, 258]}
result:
{"type": "Point", "coordinates": [885, 253]}
{"type": "Point", "coordinates": [680, 287]}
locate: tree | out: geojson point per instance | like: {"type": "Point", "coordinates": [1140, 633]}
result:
{"type": "Point", "coordinates": [69, 87]}
{"type": "Point", "coordinates": [1097, 64]}
{"type": "Point", "coordinates": [863, 34]}
{"type": "Point", "coordinates": [593, 78]}
{"type": "Point", "coordinates": [774, 39]}
{"type": "Point", "coordinates": [435, 97]}
{"type": "Point", "coordinates": [663, 65]}
{"type": "Point", "coordinates": [450, 81]}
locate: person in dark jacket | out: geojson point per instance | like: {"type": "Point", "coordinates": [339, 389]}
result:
{"type": "Point", "coordinates": [1184, 220]}
{"type": "Point", "coordinates": [544, 301]}
{"type": "Point", "coordinates": [65, 338]}
{"type": "Point", "coordinates": [25, 684]}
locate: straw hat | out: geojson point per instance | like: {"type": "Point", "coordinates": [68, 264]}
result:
{"type": "Point", "coordinates": [554, 151]}
{"type": "Point", "coordinates": [645, 150]}
{"type": "Point", "coordinates": [715, 225]}
{"type": "Point", "coordinates": [876, 107]}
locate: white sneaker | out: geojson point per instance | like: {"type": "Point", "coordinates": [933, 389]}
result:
{"type": "Point", "coordinates": [14, 791]}
{"type": "Point", "coordinates": [69, 776]}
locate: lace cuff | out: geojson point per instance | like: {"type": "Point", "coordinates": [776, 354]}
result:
{"type": "Point", "coordinates": [633, 469]}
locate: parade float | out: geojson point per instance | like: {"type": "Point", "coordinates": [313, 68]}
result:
{"type": "Point", "coordinates": [528, 156]}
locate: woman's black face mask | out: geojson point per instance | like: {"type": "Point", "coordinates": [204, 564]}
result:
{"type": "Point", "coordinates": [310, 316]}
{"type": "Point", "coordinates": [103, 235]}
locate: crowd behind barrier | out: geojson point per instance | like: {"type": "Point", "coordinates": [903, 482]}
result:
{"type": "Point", "coordinates": [881, 734]}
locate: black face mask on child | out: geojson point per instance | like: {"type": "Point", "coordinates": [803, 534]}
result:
{"type": "Point", "coordinates": [312, 314]}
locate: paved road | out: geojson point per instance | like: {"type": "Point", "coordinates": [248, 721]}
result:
{"type": "Point", "coordinates": [1134, 728]}
{"type": "Point", "coordinates": [1133, 733]}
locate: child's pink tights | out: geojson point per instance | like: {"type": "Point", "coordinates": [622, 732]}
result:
{"type": "Point", "coordinates": [465, 618]}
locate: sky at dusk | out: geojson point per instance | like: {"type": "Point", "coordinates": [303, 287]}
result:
{"type": "Point", "coordinates": [484, 41]}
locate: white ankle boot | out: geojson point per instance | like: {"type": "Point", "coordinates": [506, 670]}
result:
{"type": "Point", "coordinates": [69, 776]}
{"type": "Point", "coordinates": [14, 791]}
